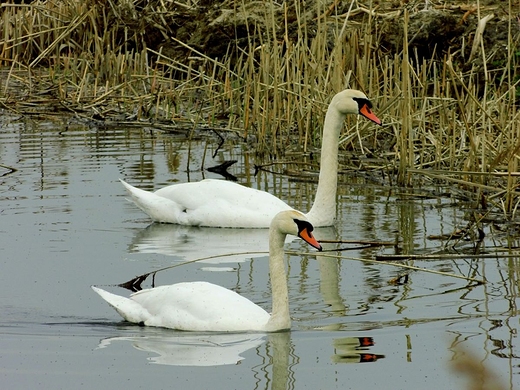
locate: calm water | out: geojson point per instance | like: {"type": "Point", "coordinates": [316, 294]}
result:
{"type": "Point", "coordinates": [65, 225]}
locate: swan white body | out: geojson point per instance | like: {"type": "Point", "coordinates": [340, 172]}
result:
{"type": "Point", "coordinates": [202, 306]}
{"type": "Point", "coordinates": [218, 203]}
{"type": "Point", "coordinates": [199, 306]}
{"type": "Point", "coordinates": [210, 202]}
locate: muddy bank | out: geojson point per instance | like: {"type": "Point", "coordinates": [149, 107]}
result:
{"type": "Point", "coordinates": [217, 29]}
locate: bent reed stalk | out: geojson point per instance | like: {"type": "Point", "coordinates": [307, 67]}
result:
{"type": "Point", "coordinates": [94, 59]}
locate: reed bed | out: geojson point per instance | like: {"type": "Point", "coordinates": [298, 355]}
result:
{"type": "Point", "coordinates": [450, 117]}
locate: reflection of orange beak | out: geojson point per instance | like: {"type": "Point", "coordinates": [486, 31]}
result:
{"type": "Point", "coordinates": [307, 236]}
{"type": "Point", "coordinates": [367, 113]}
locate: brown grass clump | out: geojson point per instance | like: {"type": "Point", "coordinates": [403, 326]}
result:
{"type": "Point", "coordinates": [444, 79]}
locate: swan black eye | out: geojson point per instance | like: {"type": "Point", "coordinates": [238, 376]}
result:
{"type": "Point", "coordinates": [362, 101]}
{"type": "Point", "coordinates": [302, 225]}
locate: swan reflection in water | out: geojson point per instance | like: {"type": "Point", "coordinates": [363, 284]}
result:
{"type": "Point", "coordinates": [354, 350]}
{"type": "Point", "coordinates": [192, 349]}
{"type": "Point", "coordinates": [188, 243]}
{"type": "Point", "coordinates": [204, 350]}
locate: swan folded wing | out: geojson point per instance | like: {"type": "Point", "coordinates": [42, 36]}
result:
{"type": "Point", "coordinates": [200, 306]}
{"type": "Point", "coordinates": [219, 203]}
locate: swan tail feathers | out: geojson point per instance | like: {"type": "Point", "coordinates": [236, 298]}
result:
{"type": "Point", "coordinates": [127, 308]}
{"type": "Point", "coordinates": [159, 208]}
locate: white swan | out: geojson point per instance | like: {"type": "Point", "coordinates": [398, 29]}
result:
{"type": "Point", "coordinates": [201, 306]}
{"type": "Point", "coordinates": [218, 203]}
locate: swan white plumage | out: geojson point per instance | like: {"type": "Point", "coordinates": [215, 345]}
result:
{"type": "Point", "coordinates": [202, 306]}
{"type": "Point", "coordinates": [219, 203]}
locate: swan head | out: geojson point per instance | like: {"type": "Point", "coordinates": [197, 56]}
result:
{"type": "Point", "coordinates": [352, 101]}
{"type": "Point", "coordinates": [295, 223]}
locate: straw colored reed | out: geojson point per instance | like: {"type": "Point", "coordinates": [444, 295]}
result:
{"type": "Point", "coordinates": [452, 118]}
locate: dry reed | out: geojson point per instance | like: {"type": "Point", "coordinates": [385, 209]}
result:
{"type": "Point", "coordinates": [456, 115]}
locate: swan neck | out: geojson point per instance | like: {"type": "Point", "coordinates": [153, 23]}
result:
{"type": "Point", "coordinates": [323, 210]}
{"type": "Point", "coordinates": [280, 318]}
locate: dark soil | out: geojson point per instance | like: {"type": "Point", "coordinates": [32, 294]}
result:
{"type": "Point", "coordinates": [435, 28]}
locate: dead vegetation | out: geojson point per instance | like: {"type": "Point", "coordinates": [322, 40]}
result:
{"type": "Point", "coordinates": [444, 78]}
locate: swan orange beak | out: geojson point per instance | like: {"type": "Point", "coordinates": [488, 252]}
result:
{"type": "Point", "coordinates": [367, 113]}
{"type": "Point", "coordinates": [307, 236]}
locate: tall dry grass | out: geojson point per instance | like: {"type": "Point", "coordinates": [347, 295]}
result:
{"type": "Point", "coordinates": [451, 120]}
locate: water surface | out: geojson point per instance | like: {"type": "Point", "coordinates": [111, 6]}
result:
{"type": "Point", "coordinates": [66, 225]}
